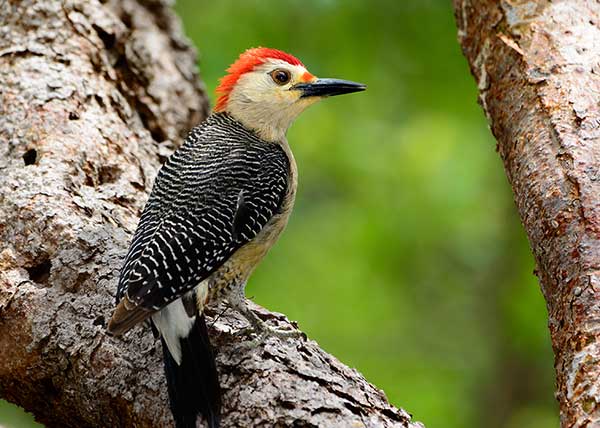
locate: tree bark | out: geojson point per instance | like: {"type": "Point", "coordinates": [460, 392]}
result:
{"type": "Point", "coordinates": [537, 65]}
{"type": "Point", "coordinates": [93, 97]}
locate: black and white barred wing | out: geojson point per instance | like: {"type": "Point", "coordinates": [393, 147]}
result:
{"type": "Point", "coordinates": [179, 245]}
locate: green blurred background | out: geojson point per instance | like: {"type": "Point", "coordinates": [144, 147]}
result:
{"type": "Point", "coordinates": [404, 257]}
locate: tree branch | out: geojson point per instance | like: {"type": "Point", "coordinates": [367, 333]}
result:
{"type": "Point", "coordinates": [536, 65]}
{"type": "Point", "coordinates": [93, 97]}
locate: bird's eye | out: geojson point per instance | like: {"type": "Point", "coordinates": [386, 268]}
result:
{"type": "Point", "coordinates": [280, 76]}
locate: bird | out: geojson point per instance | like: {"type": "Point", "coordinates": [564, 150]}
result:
{"type": "Point", "coordinates": [218, 204]}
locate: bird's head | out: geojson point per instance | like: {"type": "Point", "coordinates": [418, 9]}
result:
{"type": "Point", "coordinates": [266, 89]}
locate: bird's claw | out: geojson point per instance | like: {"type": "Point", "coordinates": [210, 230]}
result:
{"type": "Point", "coordinates": [262, 331]}
{"type": "Point", "coordinates": [258, 327]}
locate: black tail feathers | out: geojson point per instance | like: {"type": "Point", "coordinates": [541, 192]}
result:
{"type": "Point", "coordinates": [194, 385]}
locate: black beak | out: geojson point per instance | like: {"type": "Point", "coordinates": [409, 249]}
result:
{"type": "Point", "coordinates": [328, 88]}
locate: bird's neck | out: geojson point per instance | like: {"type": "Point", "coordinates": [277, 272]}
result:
{"type": "Point", "coordinates": [271, 127]}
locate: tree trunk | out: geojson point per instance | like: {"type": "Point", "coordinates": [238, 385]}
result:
{"type": "Point", "coordinates": [93, 97]}
{"type": "Point", "coordinates": [537, 65]}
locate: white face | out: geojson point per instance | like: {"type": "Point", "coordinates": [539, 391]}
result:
{"type": "Point", "coordinates": [264, 101]}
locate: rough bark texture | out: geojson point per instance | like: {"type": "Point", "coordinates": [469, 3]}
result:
{"type": "Point", "coordinates": [537, 64]}
{"type": "Point", "coordinates": [93, 97]}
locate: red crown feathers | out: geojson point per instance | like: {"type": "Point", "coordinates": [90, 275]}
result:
{"type": "Point", "coordinates": [247, 61]}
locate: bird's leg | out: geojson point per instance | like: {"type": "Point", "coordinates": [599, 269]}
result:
{"type": "Point", "coordinates": [257, 326]}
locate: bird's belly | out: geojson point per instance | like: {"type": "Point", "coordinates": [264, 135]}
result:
{"type": "Point", "coordinates": [238, 268]}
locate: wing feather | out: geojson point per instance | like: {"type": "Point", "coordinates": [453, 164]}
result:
{"type": "Point", "coordinates": [195, 219]}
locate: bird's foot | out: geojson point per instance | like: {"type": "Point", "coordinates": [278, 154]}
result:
{"type": "Point", "coordinates": [257, 326]}
{"type": "Point", "coordinates": [265, 331]}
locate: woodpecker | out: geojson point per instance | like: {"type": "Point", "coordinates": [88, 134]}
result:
{"type": "Point", "coordinates": [217, 205]}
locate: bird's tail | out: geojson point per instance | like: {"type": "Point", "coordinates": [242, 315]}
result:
{"type": "Point", "coordinates": [193, 381]}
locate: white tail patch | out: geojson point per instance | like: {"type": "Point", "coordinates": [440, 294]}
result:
{"type": "Point", "coordinates": [174, 323]}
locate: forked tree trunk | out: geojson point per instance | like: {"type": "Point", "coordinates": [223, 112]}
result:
{"type": "Point", "coordinates": [93, 97]}
{"type": "Point", "coordinates": [537, 65]}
